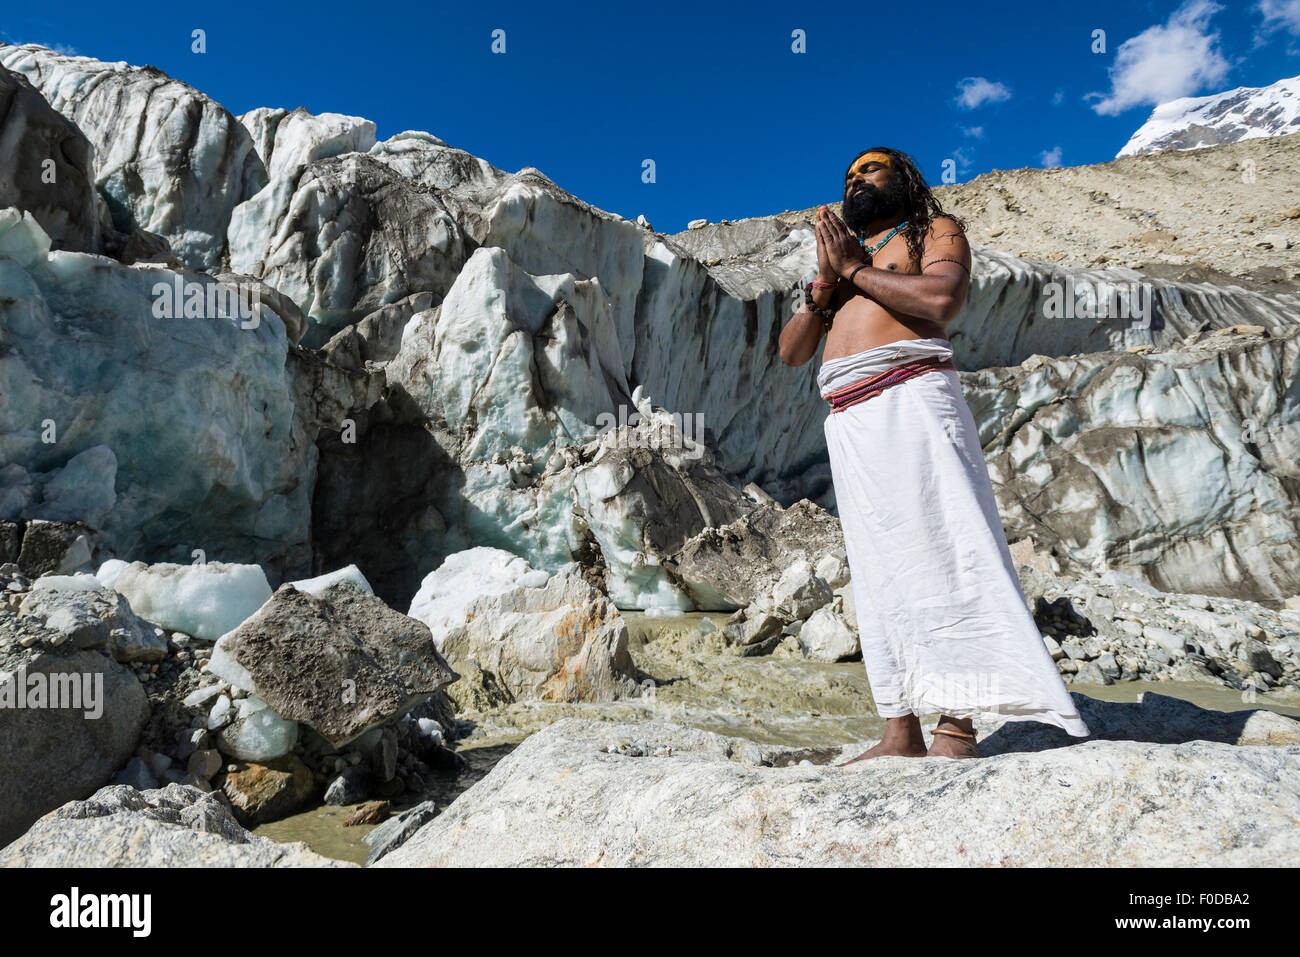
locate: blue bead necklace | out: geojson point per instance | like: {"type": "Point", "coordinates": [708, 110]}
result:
{"type": "Point", "coordinates": [872, 250]}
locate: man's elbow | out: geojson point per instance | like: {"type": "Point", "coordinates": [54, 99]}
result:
{"type": "Point", "coordinates": [791, 359]}
{"type": "Point", "coordinates": [947, 305]}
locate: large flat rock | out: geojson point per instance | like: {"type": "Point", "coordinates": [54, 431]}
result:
{"type": "Point", "coordinates": [702, 800]}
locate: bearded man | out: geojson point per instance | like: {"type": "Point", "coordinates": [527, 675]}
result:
{"type": "Point", "coordinates": [943, 622]}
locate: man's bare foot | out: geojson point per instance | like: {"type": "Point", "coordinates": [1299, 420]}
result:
{"type": "Point", "coordinates": [953, 739]}
{"type": "Point", "coordinates": [902, 738]}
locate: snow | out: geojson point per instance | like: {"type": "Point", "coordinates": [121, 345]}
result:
{"type": "Point", "coordinates": [317, 586]}
{"type": "Point", "coordinates": [1241, 114]}
{"type": "Point", "coordinates": [447, 591]}
{"type": "Point", "coordinates": [205, 601]}
{"type": "Point", "coordinates": [67, 583]}
{"type": "Point", "coordinates": [108, 572]}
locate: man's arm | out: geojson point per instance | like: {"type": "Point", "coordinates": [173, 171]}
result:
{"type": "Point", "coordinates": [937, 294]}
{"type": "Point", "coordinates": [800, 336]}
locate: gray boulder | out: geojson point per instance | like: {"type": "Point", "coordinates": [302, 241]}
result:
{"type": "Point", "coordinates": [49, 755]}
{"type": "Point", "coordinates": [341, 663]}
{"type": "Point", "coordinates": [54, 547]}
{"type": "Point", "coordinates": [352, 786]}
{"type": "Point", "coordinates": [396, 831]}
{"type": "Point", "coordinates": [175, 826]}
{"type": "Point", "coordinates": [798, 592]}
{"type": "Point", "coordinates": [94, 617]}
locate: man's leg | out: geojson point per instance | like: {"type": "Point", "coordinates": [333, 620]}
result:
{"type": "Point", "coordinates": [953, 738]}
{"type": "Point", "coordinates": [902, 738]}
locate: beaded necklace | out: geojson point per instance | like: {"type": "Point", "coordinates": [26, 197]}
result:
{"type": "Point", "coordinates": [872, 250]}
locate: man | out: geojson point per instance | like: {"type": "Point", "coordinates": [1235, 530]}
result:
{"type": "Point", "coordinates": [942, 619]}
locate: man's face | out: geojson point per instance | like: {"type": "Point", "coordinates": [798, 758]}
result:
{"type": "Point", "coordinates": [872, 191]}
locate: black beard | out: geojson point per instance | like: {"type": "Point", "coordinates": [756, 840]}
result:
{"type": "Point", "coordinates": [870, 204]}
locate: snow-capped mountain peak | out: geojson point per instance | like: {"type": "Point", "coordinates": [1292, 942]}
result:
{"type": "Point", "coordinates": [1241, 114]}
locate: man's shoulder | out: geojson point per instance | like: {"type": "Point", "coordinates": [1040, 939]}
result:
{"type": "Point", "coordinates": [945, 226]}
{"type": "Point", "coordinates": [945, 232]}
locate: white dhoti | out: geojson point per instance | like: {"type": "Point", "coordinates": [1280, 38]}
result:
{"type": "Point", "coordinates": [943, 622]}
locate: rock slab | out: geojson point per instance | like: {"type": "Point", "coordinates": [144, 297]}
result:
{"type": "Point", "coordinates": [697, 799]}
{"type": "Point", "coordinates": [341, 663]}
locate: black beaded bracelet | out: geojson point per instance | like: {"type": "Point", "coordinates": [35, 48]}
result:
{"type": "Point", "coordinates": [827, 315]}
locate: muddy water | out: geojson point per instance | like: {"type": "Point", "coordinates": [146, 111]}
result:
{"type": "Point", "coordinates": [774, 700]}
{"type": "Point", "coordinates": [322, 829]}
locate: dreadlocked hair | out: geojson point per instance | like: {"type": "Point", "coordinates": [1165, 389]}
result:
{"type": "Point", "coordinates": [920, 208]}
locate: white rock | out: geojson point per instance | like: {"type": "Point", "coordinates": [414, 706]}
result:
{"type": "Point", "coordinates": [1197, 803]}
{"type": "Point", "coordinates": [833, 568]}
{"type": "Point", "coordinates": [826, 636]}
{"type": "Point", "coordinates": [201, 696]}
{"type": "Point", "coordinates": [464, 576]}
{"type": "Point", "coordinates": [1171, 643]}
{"type": "Point", "coordinates": [564, 641]}
{"type": "Point", "coordinates": [799, 592]}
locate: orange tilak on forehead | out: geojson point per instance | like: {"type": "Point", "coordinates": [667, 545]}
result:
{"type": "Point", "coordinates": [884, 159]}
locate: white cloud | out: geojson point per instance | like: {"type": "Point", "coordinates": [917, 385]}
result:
{"type": "Point", "coordinates": [974, 132]}
{"type": "Point", "coordinates": [60, 48]}
{"type": "Point", "coordinates": [975, 91]}
{"type": "Point", "coordinates": [1166, 61]}
{"type": "Point", "coordinates": [963, 158]}
{"type": "Point", "coordinates": [1058, 98]}
{"type": "Point", "coordinates": [1051, 157]}
{"type": "Point", "coordinates": [1280, 14]}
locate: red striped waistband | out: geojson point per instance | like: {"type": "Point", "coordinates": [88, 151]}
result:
{"type": "Point", "coordinates": [871, 386]}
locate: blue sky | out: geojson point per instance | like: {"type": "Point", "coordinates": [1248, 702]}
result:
{"type": "Point", "coordinates": [737, 123]}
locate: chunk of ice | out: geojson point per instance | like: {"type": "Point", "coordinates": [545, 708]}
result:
{"type": "Point", "coordinates": [316, 586]}
{"type": "Point", "coordinates": [205, 601]}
